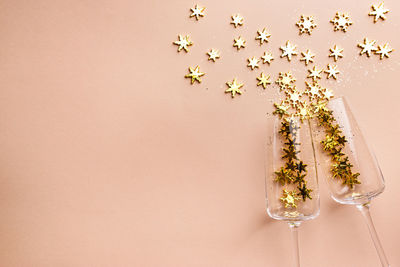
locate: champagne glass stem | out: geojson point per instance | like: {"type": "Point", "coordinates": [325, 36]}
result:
{"type": "Point", "coordinates": [295, 240]}
{"type": "Point", "coordinates": [364, 209]}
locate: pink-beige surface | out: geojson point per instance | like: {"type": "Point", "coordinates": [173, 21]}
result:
{"type": "Point", "coordinates": [109, 157]}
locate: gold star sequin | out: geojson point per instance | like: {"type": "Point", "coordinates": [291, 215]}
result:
{"type": "Point", "coordinates": [341, 22]}
{"type": "Point", "coordinates": [213, 54]}
{"type": "Point", "coordinates": [327, 93]}
{"type": "Point", "coordinates": [307, 57]}
{"type": "Point", "coordinates": [379, 12]}
{"type": "Point", "coordinates": [331, 71]}
{"type": "Point", "coordinates": [234, 87]}
{"type": "Point", "coordinates": [183, 43]}
{"type": "Point", "coordinates": [336, 52]}
{"type": "Point", "coordinates": [239, 43]}
{"type": "Point", "coordinates": [263, 80]}
{"type": "Point", "coordinates": [194, 74]}
{"type": "Point", "coordinates": [314, 73]}
{"type": "Point", "coordinates": [383, 50]}
{"type": "Point", "coordinates": [197, 11]}
{"type": "Point", "coordinates": [237, 20]}
{"type": "Point", "coordinates": [294, 97]}
{"type": "Point", "coordinates": [313, 90]}
{"type": "Point", "coordinates": [306, 24]}
{"type": "Point", "coordinates": [290, 199]}
{"type": "Point", "coordinates": [263, 36]}
{"type": "Point", "coordinates": [285, 80]}
{"type": "Point", "coordinates": [303, 111]}
{"type": "Point", "coordinates": [253, 62]}
{"type": "Point", "coordinates": [367, 47]}
{"type": "Point", "coordinates": [267, 57]}
{"type": "Point", "coordinates": [288, 50]}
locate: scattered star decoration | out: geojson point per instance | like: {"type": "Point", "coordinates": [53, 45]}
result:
{"type": "Point", "coordinates": [367, 47]}
{"type": "Point", "coordinates": [306, 24]}
{"type": "Point", "coordinates": [294, 97]}
{"type": "Point", "coordinates": [213, 54]}
{"type": "Point", "coordinates": [290, 199]}
{"type": "Point", "coordinates": [341, 22]}
{"type": "Point", "coordinates": [379, 12]}
{"type": "Point", "coordinates": [253, 62]}
{"type": "Point", "coordinates": [263, 80]}
{"type": "Point", "coordinates": [383, 50]}
{"type": "Point", "coordinates": [285, 80]}
{"type": "Point", "coordinates": [336, 52]}
{"type": "Point", "coordinates": [314, 73]}
{"type": "Point", "coordinates": [263, 36]}
{"type": "Point", "coordinates": [197, 12]}
{"type": "Point", "coordinates": [267, 57]}
{"type": "Point", "coordinates": [331, 71]}
{"type": "Point", "coordinates": [313, 90]}
{"type": "Point", "coordinates": [183, 43]}
{"type": "Point", "coordinates": [234, 87]}
{"type": "Point", "coordinates": [237, 20]}
{"type": "Point", "coordinates": [288, 50]}
{"type": "Point", "coordinates": [239, 43]}
{"type": "Point", "coordinates": [307, 57]}
{"type": "Point", "coordinates": [194, 74]}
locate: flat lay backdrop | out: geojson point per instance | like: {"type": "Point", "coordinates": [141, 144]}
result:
{"type": "Point", "coordinates": [109, 157]}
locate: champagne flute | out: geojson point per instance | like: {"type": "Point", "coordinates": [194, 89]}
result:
{"type": "Point", "coordinates": [355, 177]}
{"type": "Point", "coordinates": [291, 183]}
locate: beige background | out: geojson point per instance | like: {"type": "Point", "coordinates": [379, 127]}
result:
{"type": "Point", "coordinates": [109, 157]}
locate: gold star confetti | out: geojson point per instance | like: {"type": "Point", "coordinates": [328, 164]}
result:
{"type": "Point", "coordinates": [383, 50]}
{"type": "Point", "coordinates": [341, 21]}
{"type": "Point", "coordinates": [327, 93]}
{"type": "Point", "coordinates": [336, 52]}
{"type": "Point", "coordinates": [267, 57]}
{"type": "Point", "coordinates": [253, 62]}
{"type": "Point", "coordinates": [303, 111]}
{"type": "Point", "coordinates": [234, 87]}
{"type": "Point", "coordinates": [294, 97]}
{"type": "Point", "coordinates": [237, 20]}
{"type": "Point", "coordinates": [263, 36]}
{"type": "Point", "coordinates": [313, 90]}
{"type": "Point", "coordinates": [314, 73]}
{"type": "Point", "coordinates": [263, 80]}
{"type": "Point", "coordinates": [197, 12]}
{"type": "Point", "coordinates": [307, 57]}
{"type": "Point", "coordinates": [194, 74]}
{"type": "Point", "coordinates": [332, 71]}
{"type": "Point", "coordinates": [285, 80]}
{"type": "Point", "coordinates": [183, 43]}
{"type": "Point", "coordinates": [239, 43]}
{"type": "Point", "coordinates": [306, 24]}
{"type": "Point", "coordinates": [290, 199]}
{"type": "Point", "coordinates": [281, 109]}
{"type": "Point", "coordinates": [213, 54]}
{"type": "Point", "coordinates": [379, 12]}
{"type": "Point", "coordinates": [288, 50]}
{"type": "Point", "coordinates": [367, 47]}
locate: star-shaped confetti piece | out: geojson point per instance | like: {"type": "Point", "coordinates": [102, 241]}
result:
{"type": "Point", "coordinates": [367, 47]}
{"type": "Point", "coordinates": [341, 22]}
{"type": "Point", "coordinates": [331, 71]}
{"type": "Point", "coordinates": [285, 80]}
{"type": "Point", "coordinates": [294, 97]}
{"type": "Point", "coordinates": [327, 93]}
{"type": "Point", "coordinates": [379, 12]}
{"type": "Point", "coordinates": [290, 199]}
{"type": "Point", "coordinates": [267, 57]}
{"type": "Point", "coordinates": [239, 43]}
{"type": "Point", "coordinates": [213, 54]}
{"type": "Point", "coordinates": [234, 87]}
{"type": "Point", "coordinates": [197, 11]}
{"type": "Point", "coordinates": [183, 43]}
{"type": "Point", "coordinates": [194, 74]}
{"type": "Point", "coordinates": [263, 36]}
{"type": "Point", "coordinates": [313, 90]}
{"type": "Point", "coordinates": [307, 57]}
{"type": "Point", "coordinates": [314, 73]}
{"type": "Point", "coordinates": [306, 24]}
{"type": "Point", "coordinates": [336, 52]}
{"type": "Point", "coordinates": [263, 80]}
{"type": "Point", "coordinates": [288, 50]}
{"type": "Point", "coordinates": [237, 20]}
{"type": "Point", "coordinates": [253, 62]}
{"type": "Point", "coordinates": [383, 50]}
